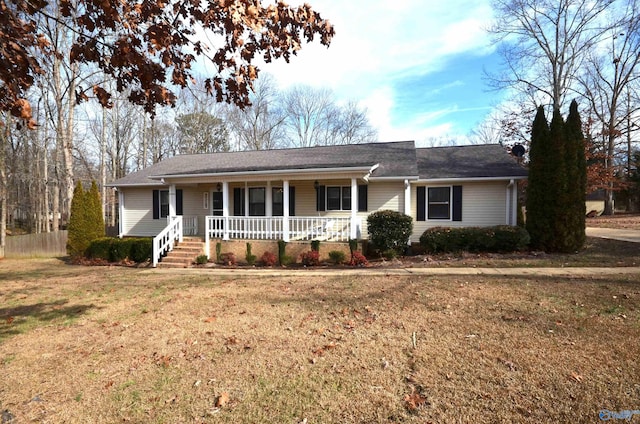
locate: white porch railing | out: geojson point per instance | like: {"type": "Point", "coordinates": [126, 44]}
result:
{"type": "Point", "coordinates": [272, 228]}
{"type": "Point", "coordinates": [164, 241]}
{"type": "Point", "coordinates": [190, 225]}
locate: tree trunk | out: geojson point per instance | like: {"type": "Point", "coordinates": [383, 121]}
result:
{"type": "Point", "coordinates": [3, 189]}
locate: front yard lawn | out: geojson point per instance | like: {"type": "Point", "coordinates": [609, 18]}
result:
{"type": "Point", "coordinates": [113, 344]}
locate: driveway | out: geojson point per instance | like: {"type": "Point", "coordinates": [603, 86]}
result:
{"type": "Point", "coordinates": [614, 234]}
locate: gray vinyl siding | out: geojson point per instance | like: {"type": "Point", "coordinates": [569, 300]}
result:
{"type": "Point", "coordinates": [483, 205]}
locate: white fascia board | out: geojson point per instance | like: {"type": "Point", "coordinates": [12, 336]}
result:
{"type": "Point", "coordinates": [469, 179]}
{"type": "Point", "coordinates": [139, 185]}
{"type": "Point", "coordinates": [395, 178]}
{"type": "Point", "coordinates": [313, 173]}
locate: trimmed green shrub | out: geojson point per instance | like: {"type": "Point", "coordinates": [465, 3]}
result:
{"type": "Point", "coordinates": [201, 259]}
{"type": "Point", "coordinates": [218, 252]}
{"type": "Point", "coordinates": [100, 248]}
{"type": "Point", "coordinates": [115, 250]}
{"type": "Point", "coordinates": [389, 230]}
{"type": "Point", "coordinates": [251, 259]}
{"type": "Point", "coordinates": [315, 245]}
{"type": "Point", "coordinates": [141, 249]}
{"type": "Point", "coordinates": [282, 245]}
{"type": "Point", "coordinates": [337, 257]}
{"type": "Point", "coordinates": [502, 238]}
{"type": "Point", "coordinates": [390, 254]}
{"type": "Point", "coordinates": [353, 245]}
{"type": "Point", "coordinates": [120, 250]}
{"type": "Point", "coordinates": [310, 258]}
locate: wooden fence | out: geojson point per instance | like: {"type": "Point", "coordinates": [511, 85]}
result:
{"type": "Point", "coordinates": [37, 245]}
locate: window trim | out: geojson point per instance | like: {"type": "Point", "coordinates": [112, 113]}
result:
{"type": "Point", "coordinates": [342, 197]}
{"type": "Point", "coordinates": [160, 203]}
{"type": "Point", "coordinates": [264, 201]}
{"type": "Point", "coordinates": [449, 202]}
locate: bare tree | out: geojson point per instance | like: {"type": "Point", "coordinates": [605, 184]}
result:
{"type": "Point", "coordinates": [611, 72]}
{"type": "Point", "coordinates": [259, 126]}
{"type": "Point", "coordinates": [201, 132]}
{"type": "Point", "coordinates": [544, 44]}
{"type": "Point", "coordinates": [314, 118]}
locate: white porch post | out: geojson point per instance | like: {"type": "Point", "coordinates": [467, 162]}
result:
{"type": "Point", "coordinates": [268, 207]}
{"type": "Point", "coordinates": [407, 197]}
{"type": "Point", "coordinates": [285, 210]}
{"type": "Point", "coordinates": [407, 202]}
{"type": "Point", "coordinates": [120, 213]}
{"type": "Point", "coordinates": [246, 199]}
{"type": "Point", "coordinates": [225, 210]}
{"type": "Point", "coordinates": [172, 200]}
{"type": "Point", "coordinates": [354, 209]}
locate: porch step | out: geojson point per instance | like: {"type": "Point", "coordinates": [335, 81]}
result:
{"type": "Point", "coordinates": [183, 254]}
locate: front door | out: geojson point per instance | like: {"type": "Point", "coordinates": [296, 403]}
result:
{"type": "Point", "coordinates": [216, 203]}
{"type": "Point", "coordinates": [216, 208]}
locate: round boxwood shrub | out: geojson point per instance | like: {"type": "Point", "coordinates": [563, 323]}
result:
{"type": "Point", "coordinates": [389, 230]}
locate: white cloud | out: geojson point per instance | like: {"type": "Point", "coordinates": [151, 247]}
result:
{"type": "Point", "coordinates": [378, 42]}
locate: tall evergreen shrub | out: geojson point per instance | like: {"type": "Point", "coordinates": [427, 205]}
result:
{"type": "Point", "coordinates": [539, 220]}
{"type": "Point", "coordinates": [577, 178]}
{"type": "Point", "coordinates": [78, 240]}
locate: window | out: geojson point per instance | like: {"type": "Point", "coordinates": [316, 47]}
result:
{"type": "Point", "coordinates": [439, 203]}
{"type": "Point", "coordinates": [338, 198]}
{"type": "Point", "coordinates": [257, 201]}
{"type": "Point", "coordinates": [277, 201]}
{"type": "Point", "coordinates": [164, 203]}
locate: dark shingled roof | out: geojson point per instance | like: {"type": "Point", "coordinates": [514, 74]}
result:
{"type": "Point", "coordinates": [394, 159]}
{"type": "Point", "coordinates": [397, 159]}
{"type": "Point", "coordinates": [477, 161]}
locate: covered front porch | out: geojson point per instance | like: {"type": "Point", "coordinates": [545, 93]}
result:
{"type": "Point", "coordinates": [331, 210]}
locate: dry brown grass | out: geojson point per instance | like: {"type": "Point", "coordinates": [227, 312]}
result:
{"type": "Point", "coordinates": [80, 344]}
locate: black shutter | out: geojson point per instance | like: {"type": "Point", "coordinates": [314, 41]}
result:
{"type": "Point", "coordinates": [363, 196]}
{"type": "Point", "coordinates": [421, 195]}
{"type": "Point", "coordinates": [320, 199]}
{"type": "Point", "coordinates": [179, 202]}
{"type": "Point", "coordinates": [457, 203]}
{"type": "Point", "coordinates": [292, 201]}
{"type": "Point", "coordinates": [156, 204]}
{"type": "Point", "coordinates": [238, 201]}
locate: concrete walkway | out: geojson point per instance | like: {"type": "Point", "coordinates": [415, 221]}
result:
{"type": "Point", "coordinates": [614, 234]}
{"type": "Point", "coordinates": [367, 272]}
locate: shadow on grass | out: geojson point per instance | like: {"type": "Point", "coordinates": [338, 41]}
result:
{"type": "Point", "coordinates": [20, 319]}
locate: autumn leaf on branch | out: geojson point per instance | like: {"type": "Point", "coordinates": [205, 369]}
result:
{"type": "Point", "coordinates": [139, 44]}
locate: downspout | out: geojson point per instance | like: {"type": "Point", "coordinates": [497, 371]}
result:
{"type": "Point", "coordinates": [510, 203]}
{"type": "Point", "coordinates": [368, 174]}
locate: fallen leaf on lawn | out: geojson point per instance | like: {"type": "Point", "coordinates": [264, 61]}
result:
{"type": "Point", "coordinates": [576, 377]}
{"type": "Point", "coordinates": [222, 400]}
{"type": "Point", "coordinates": [507, 363]}
{"type": "Point", "coordinates": [210, 319]}
{"type": "Point", "coordinates": [414, 401]}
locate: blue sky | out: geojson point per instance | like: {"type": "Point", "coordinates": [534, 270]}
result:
{"type": "Point", "coordinates": [416, 65]}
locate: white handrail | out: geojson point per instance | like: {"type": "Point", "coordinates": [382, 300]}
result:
{"type": "Point", "coordinates": [164, 241]}
{"type": "Point", "coordinates": [272, 228]}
